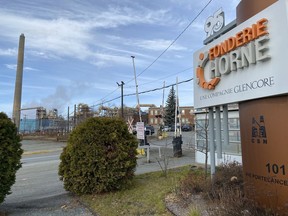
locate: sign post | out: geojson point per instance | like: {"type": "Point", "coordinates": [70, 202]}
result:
{"type": "Point", "coordinates": [140, 128]}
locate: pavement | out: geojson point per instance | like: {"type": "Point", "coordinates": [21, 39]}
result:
{"type": "Point", "coordinates": [157, 161]}
{"type": "Point", "coordinates": [143, 165]}
{"type": "Point", "coordinates": [160, 154]}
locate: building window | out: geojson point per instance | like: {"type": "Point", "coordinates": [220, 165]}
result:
{"type": "Point", "coordinates": [201, 129]}
{"type": "Point", "coordinates": [234, 123]}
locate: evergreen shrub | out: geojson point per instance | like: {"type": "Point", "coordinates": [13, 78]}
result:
{"type": "Point", "coordinates": [100, 156]}
{"type": "Point", "coordinates": [169, 117]}
{"type": "Point", "coordinates": [10, 155]}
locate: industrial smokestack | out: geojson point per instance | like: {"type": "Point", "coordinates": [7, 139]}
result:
{"type": "Point", "coordinates": [18, 82]}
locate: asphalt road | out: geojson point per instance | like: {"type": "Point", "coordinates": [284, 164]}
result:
{"type": "Point", "coordinates": [38, 190]}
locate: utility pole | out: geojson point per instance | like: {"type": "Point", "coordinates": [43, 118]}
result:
{"type": "Point", "coordinates": [138, 105]}
{"type": "Point", "coordinates": [137, 95]}
{"type": "Point", "coordinates": [178, 133]}
{"type": "Point", "coordinates": [68, 121]}
{"type": "Point", "coordinates": [177, 139]}
{"type": "Point", "coordinates": [74, 124]}
{"type": "Point", "coordinates": [122, 111]}
{"type": "Point", "coordinates": [162, 109]}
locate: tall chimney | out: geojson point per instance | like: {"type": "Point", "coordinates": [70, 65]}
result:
{"type": "Point", "coordinates": [18, 82]}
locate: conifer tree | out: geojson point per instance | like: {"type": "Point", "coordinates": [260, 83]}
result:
{"type": "Point", "coordinates": [169, 117]}
{"type": "Point", "coordinates": [10, 155]}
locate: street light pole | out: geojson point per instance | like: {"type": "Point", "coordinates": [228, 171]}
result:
{"type": "Point", "coordinates": [137, 95]}
{"type": "Point", "coordinates": [122, 111]}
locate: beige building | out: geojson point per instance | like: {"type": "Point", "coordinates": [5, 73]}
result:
{"type": "Point", "coordinates": [155, 115]}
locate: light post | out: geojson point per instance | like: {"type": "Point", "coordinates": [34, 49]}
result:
{"type": "Point", "coordinates": [122, 111]}
{"type": "Point", "coordinates": [136, 84]}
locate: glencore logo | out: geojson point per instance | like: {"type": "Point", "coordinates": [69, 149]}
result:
{"type": "Point", "coordinates": [248, 46]}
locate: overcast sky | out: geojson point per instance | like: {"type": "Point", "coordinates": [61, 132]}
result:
{"type": "Point", "coordinates": [76, 50]}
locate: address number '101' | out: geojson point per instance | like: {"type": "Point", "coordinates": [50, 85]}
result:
{"type": "Point", "coordinates": [276, 169]}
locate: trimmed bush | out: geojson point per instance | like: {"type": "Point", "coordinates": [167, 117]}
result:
{"type": "Point", "coordinates": [10, 155]}
{"type": "Point", "coordinates": [100, 156]}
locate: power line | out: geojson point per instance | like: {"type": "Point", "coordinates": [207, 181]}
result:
{"type": "Point", "coordinates": [160, 88]}
{"type": "Point", "coordinates": [104, 102]}
{"type": "Point", "coordinates": [144, 92]}
{"type": "Point", "coordinates": [163, 78]}
{"type": "Point", "coordinates": [181, 33]}
{"type": "Point", "coordinates": [107, 95]}
{"type": "Point", "coordinates": [102, 99]}
{"type": "Point", "coordinates": [164, 51]}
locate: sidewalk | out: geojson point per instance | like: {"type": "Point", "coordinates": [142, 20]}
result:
{"type": "Point", "coordinates": [166, 148]}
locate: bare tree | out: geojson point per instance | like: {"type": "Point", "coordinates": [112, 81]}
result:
{"type": "Point", "coordinates": [165, 160]}
{"type": "Point", "coordinates": [203, 133]}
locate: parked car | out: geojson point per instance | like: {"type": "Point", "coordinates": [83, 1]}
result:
{"type": "Point", "coordinates": [149, 130]}
{"type": "Point", "coordinates": [186, 128]}
{"type": "Point", "coordinates": [173, 127]}
{"type": "Point", "coordinates": [167, 128]}
{"type": "Point", "coordinates": [134, 131]}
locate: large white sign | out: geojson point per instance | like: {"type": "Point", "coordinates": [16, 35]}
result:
{"type": "Point", "coordinates": [248, 62]}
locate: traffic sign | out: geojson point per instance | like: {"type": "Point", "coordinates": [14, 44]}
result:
{"type": "Point", "coordinates": [140, 130]}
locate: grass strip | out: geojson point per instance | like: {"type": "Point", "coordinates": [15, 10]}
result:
{"type": "Point", "coordinates": [144, 197]}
